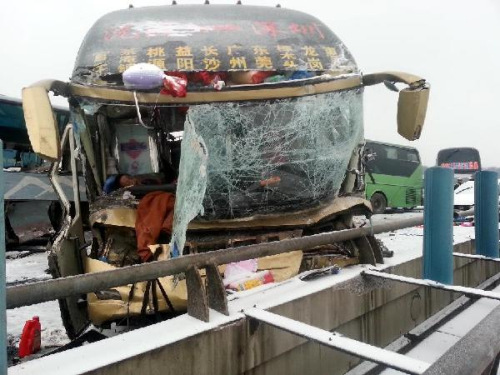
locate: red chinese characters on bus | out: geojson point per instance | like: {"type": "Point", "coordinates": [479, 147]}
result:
{"type": "Point", "coordinates": [309, 29]}
{"type": "Point", "coordinates": [162, 29]}
{"type": "Point", "coordinates": [466, 165]}
{"type": "Point", "coordinates": [121, 32]}
{"type": "Point", "coordinates": [272, 29]}
{"type": "Point", "coordinates": [265, 28]}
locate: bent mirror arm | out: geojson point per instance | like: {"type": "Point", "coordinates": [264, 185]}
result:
{"type": "Point", "coordinates": [412, 102]}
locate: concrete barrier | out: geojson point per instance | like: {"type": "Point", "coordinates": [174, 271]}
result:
{"type": "Point", "coordinates": [3, 314]}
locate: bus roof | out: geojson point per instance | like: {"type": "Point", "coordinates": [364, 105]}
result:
{"type": "Point", "coordinates": [12, 125]}
{"type": "Point", "coordinates": [4, 99]}
{"type": "Point", "coordinates": [451, 149]}
{"type": "Point", "coordinates": [392, 145]}
{"type": "Point", "coordinates": [209, 38]}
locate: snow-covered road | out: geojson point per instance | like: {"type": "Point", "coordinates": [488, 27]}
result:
{"type": "Point", "coordinates": [21, 268]}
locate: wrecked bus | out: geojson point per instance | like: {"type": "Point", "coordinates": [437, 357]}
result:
{"type": "Point", "coordinates": [31, 206]}
{"type": "Point", "coordinates": [206, 127]}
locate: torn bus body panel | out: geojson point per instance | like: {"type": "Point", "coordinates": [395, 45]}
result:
{"type": "Point", "coordinates": [245, 122]}
{"type": "Point", "coordinates": [31, 205]}
{"type": "Point", "coordinates": [137, 299]}
{"type": "Point", "coordinates": [126, 216]}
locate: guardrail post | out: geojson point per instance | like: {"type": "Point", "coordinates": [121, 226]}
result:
{"type": "Point", "coordinates": [3, 314]}
{"type": "Point", "coordinates": [438, 225]}
{"type": "Point", "coordinates": [486, 213]}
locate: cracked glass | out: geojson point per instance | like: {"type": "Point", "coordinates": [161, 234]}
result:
{"type": "Point", "coordinates": [268, 157]}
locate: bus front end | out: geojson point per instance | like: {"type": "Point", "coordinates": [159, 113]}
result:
{"type": "Point", "coordinates": [235, 125]}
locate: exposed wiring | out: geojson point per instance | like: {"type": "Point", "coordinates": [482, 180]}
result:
{"type": "Point", "coordinates": [139, 117]}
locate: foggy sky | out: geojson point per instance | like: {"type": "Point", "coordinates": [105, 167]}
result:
{"type": "Point", "coordinates": [454, 44]}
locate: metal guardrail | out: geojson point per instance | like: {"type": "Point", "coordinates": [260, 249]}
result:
{"type": "Point", "coordinates": [344, 344]}
{"type": "Point", "coordinates": [469, 292]}
{"type": "Point", "coordinates": [43, 291]}
{"type": "Point", "coordinates": [476, 257]}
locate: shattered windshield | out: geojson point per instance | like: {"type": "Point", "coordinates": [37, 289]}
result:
{"type": "Point", "coordinates": [273, 156]}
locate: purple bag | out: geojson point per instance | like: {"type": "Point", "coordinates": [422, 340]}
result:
{"type": "Point", "coordinates": [143, 76]}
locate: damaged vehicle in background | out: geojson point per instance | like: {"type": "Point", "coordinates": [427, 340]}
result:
{"type": "Point", "coordinates": [207, 127]}
{"type": "Point", "coordinates": [32, 209]}
{"type": "Point", "coordinates": [463, 197]}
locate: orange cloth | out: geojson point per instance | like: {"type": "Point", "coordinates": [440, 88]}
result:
{"type": "Point", "coordinates": [155, 214]}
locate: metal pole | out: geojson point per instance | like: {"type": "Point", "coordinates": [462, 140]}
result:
{"type": "Point", "coordinates": [74, 174]}
{"type": "Point", "coordinates": [29, 294]}
{"type": "Point", "coordinates": [54, 176]}
{"type": "Point", "coordinates": [438, 225]}
{"type": "Point", "coordinates": [476, 257]}
{"type": "Point", "coordinates": [49, 290]}
{"type": "Point", "coordinates": [469, 292]}
{"type": "Point", "coordinates": [486, 216]}
{"type": "Point", "coordinates": [344, 344]}
{"type": "Point", "coordinates": [3, 315]}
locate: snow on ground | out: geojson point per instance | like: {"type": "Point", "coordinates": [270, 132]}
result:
{"type": "Point", "coordinates": [53, 333]}
{"type": "Point", "coordinates": [406, 243]}
{"type": "Point", "coordinates": [26, 268]}
{"type": "Point", "coordinates": [399, 240]}
{"type": "Point", "coordinates": [21, 269]}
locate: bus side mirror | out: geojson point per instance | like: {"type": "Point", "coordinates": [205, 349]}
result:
{"type": "Point", "coordinates": [412, 102]}
{"type": "Point", "coordinates": [412, 107]}
{"type": "Point", "coordinates": [41, 122]}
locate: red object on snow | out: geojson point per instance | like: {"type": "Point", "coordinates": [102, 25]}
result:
{"type": "Point", "coordinates": [30, 339]}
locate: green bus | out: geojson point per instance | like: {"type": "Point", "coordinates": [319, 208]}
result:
{"type": "Point", "coordinates": [393, 176]}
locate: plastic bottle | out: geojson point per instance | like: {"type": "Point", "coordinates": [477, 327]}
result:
{"type": "Point", "coordinates": [275, 78]}
{"type": "Point", "coordinates": [253, 280]}
{"type": "Point", "coordinates": [31, 337]}
{"type": "Point", "coordinates": [301, 74]}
